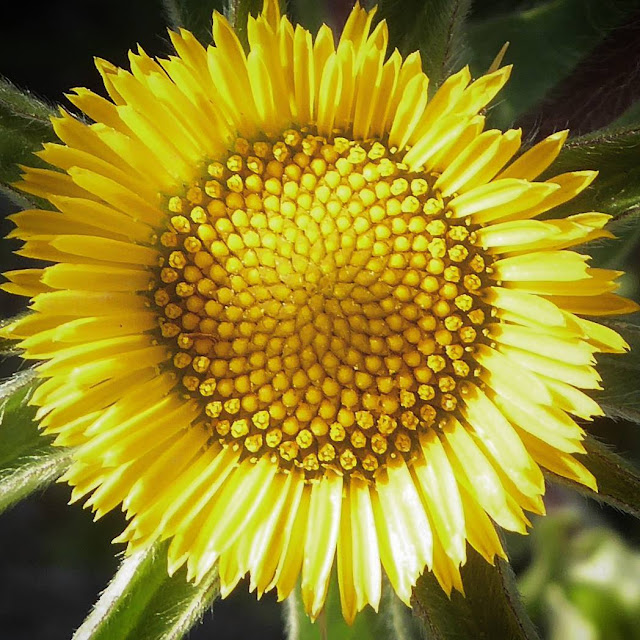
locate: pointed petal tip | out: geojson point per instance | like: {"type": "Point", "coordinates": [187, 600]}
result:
{"type": "Point", "coordinates": [559, 136]}
{"type": "Point", "coordinates": [174, 564]}
{"type": "Point", "coordinates": [501, 74]}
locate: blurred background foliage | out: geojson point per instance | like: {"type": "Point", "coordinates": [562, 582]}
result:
{"type": "Point", "coordinates": [577, 66]}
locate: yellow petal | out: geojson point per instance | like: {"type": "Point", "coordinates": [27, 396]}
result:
{"type": "Point", "coordinates": [239, 498]}
{"type": "Point", "coordinates": [603, 338]}
{"type": "Point", "coordinates": [117, 196]}
{"type": "Point", "coordinates": [304, 75]}
{"type": "Point", "coordinates": [498, 437]}
{"type": "Point", "coordinates": [45, 183]}
{"type": "Point", "coordinates": [366, 92]}
{"type": "Point", "coordinates": [320, 541]}
{"type": "Point", "coordinates": [561, 266]}
{"type": "Point", "coordinates": [523, 304]}
{"type": "Point", "coordinates": [271, 542]}
{"type": "Point", "coordinates": [87, 303]}
{"type": "Point", "coordinates": [505, 235]}
{"type": "Point", "coordinates": [499, 199]}
{"type": "Point", "coordinates": [574, 351]}
{"type": "Point", "coordinates": [329, 96]}
{"type": "Point", "coordinates": [410, 110]}
{"type": "Point", "coordinates": [437, 482]}
{"type": "Point", "coordinates": [534, 161]}
{"type": "Point", "coordinates": [160, 475]}
{"type": "Point", "coordinates": [479, 162]}
{"type": "Point", "coordinates": [291, 558]}
{"type": "Point", "coordinates": [96, 277]}
{"type": "Point", "coordinates": [446, 571]}
{"type": "Point", "coordinates": [186, 516]}
{"type": "Point", "coordinates": [571, 184]}
{"type": "Point", "coordinates": [348, 599]}
{"type": "Point", "coordinates": [382, 114]}
{"type": "Point", "coordinates": [25, 282]}
{"type": "Point", "coordinates": [563, 464]}
{"type": "Point", "coordinates": [573, 400]}
{"type": "Point", "coordinates": [481, 532]}
{"type": "Point", "coordinates": [367, 575]}
{"type": "Point", "coordinates": [605, 304]}
{"type": "Point", "coordinates": [581, 376]}
{"type": "Point", "coordinates": [483, 90]}
{"type": "Point", "coordinates": [107, 249]}
{"type": "Point", "coordinates": [547, 423]}
{"type": "Point", "coordinates": [405, 537]}
{"type": "Point", "coordinates": [65, 157]}
{"type": "Point", "coordinates": [479, 478]}
{"type": "Point", "coordinates": [442, 104]}
{"type": "Point", "coordinates": [512, 382]}
{"type": "Point", "coordinates": [96, 107]}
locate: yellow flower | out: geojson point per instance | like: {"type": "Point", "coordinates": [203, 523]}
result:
{"type": "Point", "coordinates": [300, 312]}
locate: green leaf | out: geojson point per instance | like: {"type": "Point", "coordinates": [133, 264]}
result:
{"type": "Point", "coordinates": [435, 28]}
{"type": "Point", "coordinates": [24, 126]}
{"type": "Point", "coordinates": [194, 15]}
{"type": "Point", "coordinates": [630, 118]}
{"type": "Point", "coordinates": [618, 480]}
{"type": "Point", "coordinates": [143, 603]}
{"type": "Point", "coordinates": [28, 461]}
{"type": "Point", "coordinates": [620, 397]}
{"type": "Point", "coordinates": [490, 609]}
{"type": "Point", "coordinates": [546, 43]}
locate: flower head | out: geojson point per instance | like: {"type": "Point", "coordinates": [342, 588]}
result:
{"type": "Point", "coordinates": [300, 311]}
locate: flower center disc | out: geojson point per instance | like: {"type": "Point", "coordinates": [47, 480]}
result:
{"type": "Point", "coordinates": [319, 302]}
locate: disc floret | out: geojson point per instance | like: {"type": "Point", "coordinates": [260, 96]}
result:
{"type": "Point", "coordinates": [320, 301]}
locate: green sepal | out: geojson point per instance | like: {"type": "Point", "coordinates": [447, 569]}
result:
{"type": "Point", "coordinates": [197, 16]}
{"type": "Point", "coordinates": [238, 12]}
{"type": "Point", "coordinates": [18, 198]}
{"type": "Point", "coordinates": [392, 620]}
{"type": "Point", "coordinates": [547, 41]}
{"type": "Point", "coordinates": [24, 125]}
{"type": "Point", "coordinates": [7, 344]}
{"type": "Point", "coordinates": [435, 28]}
{"type": "Point", "coordinates": [400, 621]}
{"type": "Point", "coordinates": [330, 622]}
{"type": "Point", "coordinates": [28, 460]}
{"type": "Point", "coordinates": [143, 602]}
{"type": "Point", "coordinates": [490, 608]}
{"type": "Point", "coordinates": [22, 110]}
{"type": "Point", "coordinates": [194, 15]}
{"type": "Point", "coordinates": [618, 480]}
{"type": "Point", "coordinates": [620, 397]}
